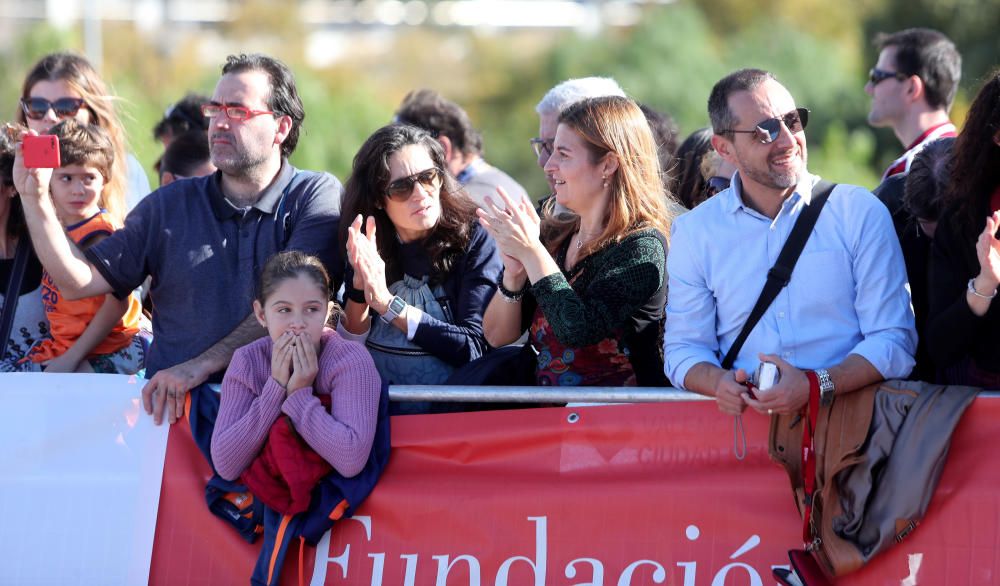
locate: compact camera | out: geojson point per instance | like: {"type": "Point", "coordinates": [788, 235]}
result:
{"type": "Point", "coordinates": [765, 376]}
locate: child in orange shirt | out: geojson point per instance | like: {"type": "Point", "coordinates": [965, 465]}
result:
{"type": "Point", "coordinates": [94, 334]}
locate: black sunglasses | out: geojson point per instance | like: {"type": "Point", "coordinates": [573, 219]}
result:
{"type": "Point", "coordinates": [716, 184]}
{"type": "Point", "coordinates": [401, 189]}
{"type": "Point", "coordinates": [542, 145]}
{"type": "Point", "coordinates": [767, 131]}
{"type": "Point", "coordinates": [37, 108]}
{"type": "Point", "coordinates": [877, 76]}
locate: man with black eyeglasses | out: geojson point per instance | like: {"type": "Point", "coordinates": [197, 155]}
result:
{"type": "Point", "coordinates": [840, 321]}
{"type": "Point", "coordinates": [204, 240]}
{"type": "Point", "coordinates": [912, 87]}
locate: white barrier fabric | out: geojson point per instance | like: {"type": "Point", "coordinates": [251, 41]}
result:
{"type": "Point", "coordinates": [80, 472]}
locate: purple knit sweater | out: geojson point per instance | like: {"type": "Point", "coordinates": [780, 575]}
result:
{"type": "Point", "coordinates": [252, 401]}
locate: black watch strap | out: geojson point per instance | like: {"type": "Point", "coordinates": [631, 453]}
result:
{"type": "Point", "coordinates": [355, 295]}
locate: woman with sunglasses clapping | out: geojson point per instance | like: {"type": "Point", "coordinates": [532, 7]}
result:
{"type": "Point", "coordinates": [420, 269]}
{"type": "Point", "coordinates": [63, 85]}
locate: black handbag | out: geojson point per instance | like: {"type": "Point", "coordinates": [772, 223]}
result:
{"type": "Point", "coordinates": [12, 294]}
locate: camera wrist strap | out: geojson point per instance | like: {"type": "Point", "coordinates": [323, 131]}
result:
{"type": "Point", "coordinates": [777, 278]}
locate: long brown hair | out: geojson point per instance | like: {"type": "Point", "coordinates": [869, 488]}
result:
{"type": "Point", "coordinates": [365, 195]}
{"type": "Point", "coordinates": [615, 126]}
{"type": "Point", "coordinates": [975, 167]}
{"type": "Point", "coordinates": [80, 75]}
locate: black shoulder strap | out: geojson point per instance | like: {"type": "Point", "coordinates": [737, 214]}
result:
{"type": "Point", "coordinates": [13, 292]}
{"type": "Point", "coordinates": [781, 273]}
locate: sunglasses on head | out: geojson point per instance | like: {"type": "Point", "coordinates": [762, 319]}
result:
{"type": "Point", "coordinates": [877, 76]}
{"type": "Point", "coordinates": [211, 110]}
{"type": "Point", "coordinates": [767, 131]}
{"type": "Point", "coordinates": [542, 145]}
{"type": "Point", "coordinates": [401, 189]}
{"type": "Point", "coordinates": [37, 108]}
{"type": "Point", "coordinates": [173, 112]}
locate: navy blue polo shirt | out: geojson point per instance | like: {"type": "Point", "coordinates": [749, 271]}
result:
{"type": "Point", "coordinates": [204, 254]}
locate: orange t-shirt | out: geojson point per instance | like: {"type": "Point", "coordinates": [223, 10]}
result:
{"type": "Point", "coordinates": [68, 319]}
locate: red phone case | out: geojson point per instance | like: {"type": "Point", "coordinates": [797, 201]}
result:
{"type": "Point", "coordinates": [41, 152]}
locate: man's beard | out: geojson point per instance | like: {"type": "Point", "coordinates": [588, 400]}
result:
{"type": "Point", "coordinates": [772, 178]}
{"type": "Point", "coordinates": [238, 161]}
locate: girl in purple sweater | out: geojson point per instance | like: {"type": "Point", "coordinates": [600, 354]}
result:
{"type": "Point", "coordinates": [284, 372]}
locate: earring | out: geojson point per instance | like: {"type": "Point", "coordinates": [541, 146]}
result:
{"type": "Point", "coordinates": [605, 179]}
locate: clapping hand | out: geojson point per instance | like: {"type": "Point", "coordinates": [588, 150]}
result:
{"type": "Point", "coordinates": [988, 253]}
{"type": "Point", "coordinates": [369, 268]}
{"type": "Point", "coordinates": [514, 226]}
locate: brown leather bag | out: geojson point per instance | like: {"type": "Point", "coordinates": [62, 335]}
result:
{"type": "Point", "coordinates": [864, 502]}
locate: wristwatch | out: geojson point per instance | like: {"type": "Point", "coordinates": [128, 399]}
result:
{"type": "Point", "coordinates": [396, 307]}
{"type": "Point", "coordinates": [825, 387]}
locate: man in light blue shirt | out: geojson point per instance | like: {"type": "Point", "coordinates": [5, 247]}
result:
{"type": "Point", "coordinates": [846, 312]}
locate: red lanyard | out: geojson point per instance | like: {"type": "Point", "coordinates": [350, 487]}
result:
{"type": "Point", "coordinates": [809, 456]}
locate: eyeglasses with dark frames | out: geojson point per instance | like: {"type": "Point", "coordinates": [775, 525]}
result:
{"type": "Point", "coordinates": [212, 109]}
{"type": "Point", "coordinates": [37, 108]}
{"type": "Point", "coordinates": [877, 76]}
{"type": "Point", "coordinates": [542, 145]}
{"type": "Point", "coordinates": [401, 189]}
{"type": "Point", "coordinates": [767, 131]}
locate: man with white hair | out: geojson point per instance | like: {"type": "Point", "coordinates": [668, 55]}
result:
{"type": "Point", "coordinates": [558, 99]}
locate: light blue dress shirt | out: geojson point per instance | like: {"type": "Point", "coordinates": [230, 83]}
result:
{"type": "Point", "coordinates": [848, 293]}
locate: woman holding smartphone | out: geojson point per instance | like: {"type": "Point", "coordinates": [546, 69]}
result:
{"type": "Point", "coordinates": [63, 85]}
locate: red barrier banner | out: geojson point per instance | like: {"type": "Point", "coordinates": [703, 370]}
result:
{"type": "Point", "coordinates": [592, 496]}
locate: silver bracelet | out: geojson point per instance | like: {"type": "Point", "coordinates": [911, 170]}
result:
{"type": "Point", "coordinates": [972, 289]}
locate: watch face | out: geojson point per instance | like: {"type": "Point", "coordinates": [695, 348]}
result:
{"type": "Point", "coordinates": [397, 305]}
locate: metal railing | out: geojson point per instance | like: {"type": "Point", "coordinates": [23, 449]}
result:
{"type": "Point", "coordinates": [499, 394]}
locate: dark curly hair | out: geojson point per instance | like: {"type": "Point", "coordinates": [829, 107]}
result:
{"type": "Point", "coordinates": [686, 180]}
{"type": "Point", "coordinates": [432, 112]}
{"type": "Point", "coordinates": [976, 161]}
{"type": "Point", "coordinates": [364, 194]}
{"type": "Point", "coordinates": [928, 180]}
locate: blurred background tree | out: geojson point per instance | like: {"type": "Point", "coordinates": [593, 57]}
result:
{"type": "Point", "coordinates": [669, 59]}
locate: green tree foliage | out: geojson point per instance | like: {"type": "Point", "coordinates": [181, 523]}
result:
{"type": "Point", "coordinates": [674, 57]}
{"type": "Point", "coordinates": [669, 60]}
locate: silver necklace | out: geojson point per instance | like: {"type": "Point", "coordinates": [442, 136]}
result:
{"type": "Point", "coordinates": [580, 241]}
